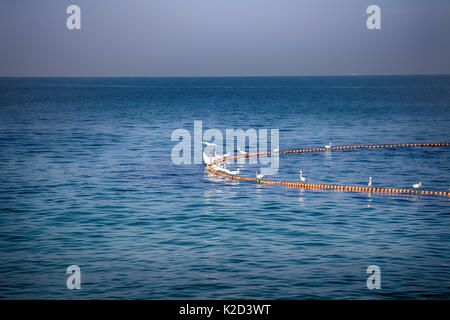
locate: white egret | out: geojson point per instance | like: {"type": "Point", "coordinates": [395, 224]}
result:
{"type": "Point", "coordinates": [417, 185]}
{"type": "Point", "coordinates": [240, 151]}
{"type": "Point", "coordinates": [233, 172]}
{"type": "Point", "coordinates": [208, 159]}
{"type": "Point", "coordinates": [302, 178]}
{"type": "Point", "coordinates": [259, 176]}
{"type": "Point", "coordinates": [218, 157]}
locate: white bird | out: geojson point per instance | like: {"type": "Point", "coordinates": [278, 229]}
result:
{"type": "Point", "coordinates": [259, 176]}
{"type": "Point", "coordinates": [218, 167]}
{"type": "Point", "coordinates": [209, 144]}
{"type": "Point", "coordinates": [233, 172]}
{"type": "Point", "coordinates": [208, 160]}
{"type": "Point", "coordinates": [417, 185]}
{"type": "Point", "coordinates": [222, 156]}
{"type": "Point", "coordinates": [302, 178]}
{"type": "Point", "coordinates": [240, 151]}
{"type": "Point", "coordinates": [328, 146]}
{"type": "Point", "coordinates": [276, 150]}
{"type": "Point", "coordinates": [370, 182]}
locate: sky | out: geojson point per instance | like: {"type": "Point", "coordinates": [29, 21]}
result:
{"type": "Point", "coordinates": [223, 38]}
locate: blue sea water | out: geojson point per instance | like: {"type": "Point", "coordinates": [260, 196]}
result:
{"type": "Point", "coordinates": [86, 178]}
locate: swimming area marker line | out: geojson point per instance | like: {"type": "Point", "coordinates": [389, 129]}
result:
{"type": "Point", "coordinates": [328, 187]}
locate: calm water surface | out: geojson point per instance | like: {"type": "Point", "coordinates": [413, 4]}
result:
{"type": "Point", "coordinates": [86, 178]}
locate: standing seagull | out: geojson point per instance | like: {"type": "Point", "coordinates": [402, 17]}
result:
{"type": "Point", "coordinates": [240, 151]}
{"type": "Point", "coordinates": [328, 146]}
{"type": "Point", "coordinates": [233, 172]}
{"type": "Point", "coordinates": [259, 176]}
{"type": "Point", "coordinates": [302, 178]}
{"type": "Point", "coordinates": [370, 182]}
{"type": "Point", "coordinates": [417, 185]}
{"type": "Point", "coordinates": [208, 160]}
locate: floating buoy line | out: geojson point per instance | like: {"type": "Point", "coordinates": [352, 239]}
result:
{"type": "Point", "coordinates": [333, 187]}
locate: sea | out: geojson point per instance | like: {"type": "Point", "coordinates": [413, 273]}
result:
{"type": "Point", "coordinates": [87, 178]}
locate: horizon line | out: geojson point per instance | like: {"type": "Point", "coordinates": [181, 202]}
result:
{"type": "Point", "coordinates": [225, 76]}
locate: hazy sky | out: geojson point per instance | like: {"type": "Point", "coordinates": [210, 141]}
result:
{"type": "Point", "coordinates": [223, 38]}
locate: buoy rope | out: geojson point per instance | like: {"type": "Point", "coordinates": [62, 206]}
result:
{"type": "Point", "coordinates": [342, 188]}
